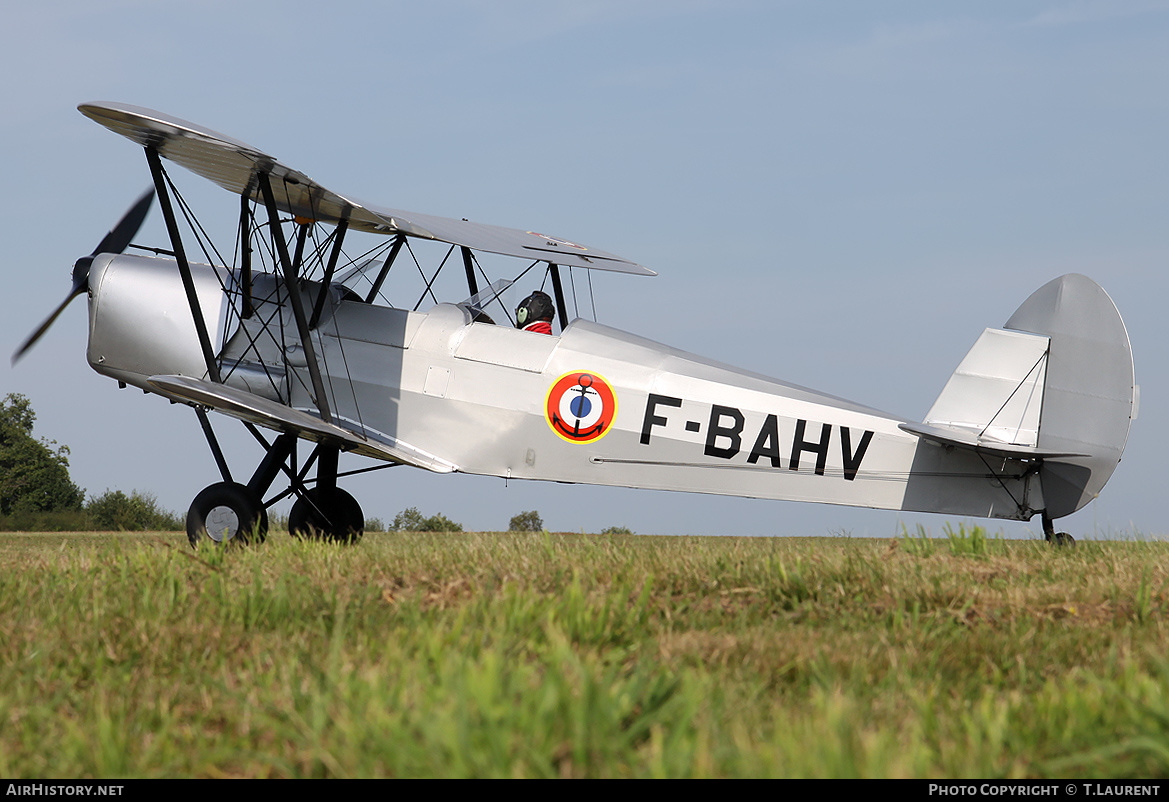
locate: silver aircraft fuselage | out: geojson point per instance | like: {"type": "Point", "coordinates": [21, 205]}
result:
{"type": "Point", "coordinates": [594, 405]}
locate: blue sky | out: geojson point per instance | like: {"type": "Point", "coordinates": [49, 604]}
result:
{"type": "Point", "coordinates": [837, 194]}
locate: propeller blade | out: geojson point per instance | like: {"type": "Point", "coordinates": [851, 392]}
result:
{"type": "Point", "coordinates": [116, 241]}
{"type": "Point", "coordinates": [36, 335]}
{"type": "Point", "coordinates": [123, 233]}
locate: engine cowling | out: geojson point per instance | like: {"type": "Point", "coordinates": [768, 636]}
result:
{"type": "Point", "coordinates": [140, 323]}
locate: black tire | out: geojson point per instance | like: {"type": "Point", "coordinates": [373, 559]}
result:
{"type": "Point", "coordinates": [227, 512]}
{"type": "Point", "coordinates": [328, 515]}
{"type": "Point", "coordinates": [1064, 539]}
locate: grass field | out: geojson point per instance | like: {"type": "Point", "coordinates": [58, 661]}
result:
{"type": "Point", "coordinates": [583, 656]}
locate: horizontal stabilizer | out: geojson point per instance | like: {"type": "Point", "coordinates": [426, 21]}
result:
{"type": "Point", "coordinates": [963, 438]}
{"type": "Point", "coordinates": [250, 407]}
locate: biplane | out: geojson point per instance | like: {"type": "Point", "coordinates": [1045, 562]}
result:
{"type": "Point", "coordinates": [294, 337]}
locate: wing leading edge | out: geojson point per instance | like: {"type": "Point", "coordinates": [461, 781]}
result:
{"type": "Point", "coordinates": [233, 165]}
{"type": "Point", "coordinates": [254, 409]}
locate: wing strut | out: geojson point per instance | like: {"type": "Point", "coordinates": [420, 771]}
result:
{"type": "Point", "coordinates": [558, 290]}
{"type": "Point", "coordinates": [172, 228]}
{"type": "Point", "coordinates": [385, 271]}
{"type": "Point", "coordinates": [469, 266]}
{"type": "Point", "coordinates": [245, 248]}
{"type": "Point", "coordinates": [292, 283]}
{"type": "Point", "coordinates": [338, 238]}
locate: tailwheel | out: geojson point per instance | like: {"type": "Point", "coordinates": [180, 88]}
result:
{"type": "Point", "coordinates": [227, 512]}
{"type": "Point", "coordinates": [327, 514]}
{"type": "Point", "coordinates": [1053, 537]}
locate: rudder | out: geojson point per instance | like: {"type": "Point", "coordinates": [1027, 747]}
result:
{"type": "Point", "coordinates": [1089, 395]}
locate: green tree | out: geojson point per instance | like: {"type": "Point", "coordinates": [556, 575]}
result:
{"type": "Point", "coordinates": [411, 520]}
{"type": "Point", "coordinates": [408, 520]}
{"type": "Point", "coordinates": [440, 523]}
{"type": "Point", "coordinates": [529, 521]}
{"type": "Point", "coordinates": [34, 474]}
{"type": "Point", "coordinates": [114, 510]}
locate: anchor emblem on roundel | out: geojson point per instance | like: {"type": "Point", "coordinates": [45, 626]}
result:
{"type": "Point", "coordinates": [581, 406]}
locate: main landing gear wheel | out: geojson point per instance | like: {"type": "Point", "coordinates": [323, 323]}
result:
{"type": "Point", "coordinates": [328, 514]}
{"type": "Point", "coordinates": [227, 511]}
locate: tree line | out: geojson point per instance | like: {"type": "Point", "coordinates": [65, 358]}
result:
{"type": "Point", "coordinates": [37, 493]}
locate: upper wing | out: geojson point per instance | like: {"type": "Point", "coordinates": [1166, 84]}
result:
{"type": "Point", "coordinates": [233, 165]}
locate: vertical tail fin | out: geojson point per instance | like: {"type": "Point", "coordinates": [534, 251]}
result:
{"type": "Point", "coordinates": [1051, 393]}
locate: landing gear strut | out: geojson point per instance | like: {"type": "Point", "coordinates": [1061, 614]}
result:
{"type": "Point", "coordinates": [326, 511]}
{"type": "Point", "coordinates": [1053, 537]}
{"type": "Point", "coordinates": [229, 511]}
{"type": "Point", "coordinates": [328, 514]}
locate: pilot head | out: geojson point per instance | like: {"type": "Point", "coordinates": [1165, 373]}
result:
{"type": "Point", "coordinates": [537, 306]}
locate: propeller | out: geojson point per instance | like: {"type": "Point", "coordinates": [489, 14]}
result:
{"type": "Point", "coordinates": [115, 241]}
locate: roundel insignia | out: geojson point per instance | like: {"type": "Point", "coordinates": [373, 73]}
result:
{"type": "Point", "coordinates": [580, 407]}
